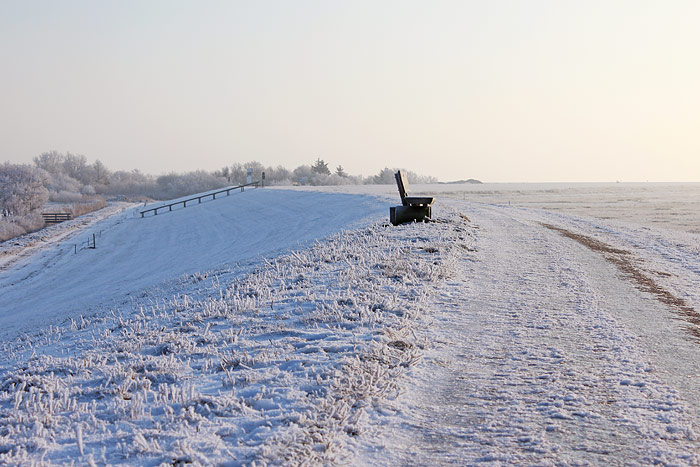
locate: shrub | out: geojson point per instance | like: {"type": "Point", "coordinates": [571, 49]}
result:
{"type": "Point", "coordinates": [65, 197]}
{"type": "Point", "coordinates": [79, 209]}
{"type": "Point", "coordinates": [11, 227]}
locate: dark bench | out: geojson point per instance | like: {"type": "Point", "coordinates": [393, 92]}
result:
{"type": "Point", "coordinates": [413, 208]}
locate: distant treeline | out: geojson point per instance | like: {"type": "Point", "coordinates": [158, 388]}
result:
{"type": "Point", "coordinates": [71, 179]}
{"type": "Point", "coordinates": [69, 176]}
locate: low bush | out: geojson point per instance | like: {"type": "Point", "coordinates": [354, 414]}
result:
{"type": "Point", "coordinates": [11, 227]}
{"type": "Point", "coordinates": [78, 209]}
{"type": "Point", "coordinates": [65, 197]}
{"type": "Point", "coordinates": [14, 226]}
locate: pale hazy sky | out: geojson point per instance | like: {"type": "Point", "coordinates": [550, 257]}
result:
{"type": "Point", "coordinates": [526, 90]}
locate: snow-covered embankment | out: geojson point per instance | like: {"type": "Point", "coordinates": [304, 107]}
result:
{"type": "Point", "coordinates": [280, 365]}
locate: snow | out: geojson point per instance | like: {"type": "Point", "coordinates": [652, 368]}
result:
{"type": "Point", "coordinates": [275, 366]}
{"type": "Point", "coordinates": [295, 325]}
{"type": "Point", "coordinates": [134, 254]}
{"type": "Point", "coordinates": [14, 250]}
{"type": "Point", "coordinates": [545, 356]}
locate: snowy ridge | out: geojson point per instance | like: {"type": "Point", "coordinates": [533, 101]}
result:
{"type": "Point", "coordinates": [280, 366]}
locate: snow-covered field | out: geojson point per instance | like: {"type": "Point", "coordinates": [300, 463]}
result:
{"type": "Point", "coordinates": [531, 325]}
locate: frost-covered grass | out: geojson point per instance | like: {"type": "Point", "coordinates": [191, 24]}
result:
{"type": "Point", "coordinates": [20, 225]}
{"type": "Point", "coordinates": [279, 366]}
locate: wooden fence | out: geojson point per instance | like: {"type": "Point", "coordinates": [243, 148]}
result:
{"type": "Point", "coordinates": [55, 217]}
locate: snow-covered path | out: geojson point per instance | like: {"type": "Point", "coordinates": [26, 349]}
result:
{"type": "Point", "coordinates": [543, 353]}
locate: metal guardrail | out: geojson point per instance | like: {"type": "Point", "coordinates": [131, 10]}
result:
{"type": "Point", "coordinates": [198, 198]}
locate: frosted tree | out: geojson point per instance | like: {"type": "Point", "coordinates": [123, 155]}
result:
{"type": "Point", "coordinates": [277, 174]}
{"type": "Point", "coordinates": [100, 173]}
{"type": "Point", "coordinates": [21, 189]}
{"type": "Point", "coordinates": [302, 174]}
{"type": "Point", "coordinates": [385, 177]}
{"type": "Point", "coordinates": [174, 185]}
{"type": "Point", "coordinates": [51, 161]}
{"type": "Point", "coordinates": [75, 166]}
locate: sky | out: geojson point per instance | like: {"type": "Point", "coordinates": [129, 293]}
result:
{"type": "Point", "coordinates": [500, 91]}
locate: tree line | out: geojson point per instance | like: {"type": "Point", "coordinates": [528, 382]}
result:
{"type": "Point", "coordinates": [69, 177]}
{"type": "Point", "coordinates": [74, 181]}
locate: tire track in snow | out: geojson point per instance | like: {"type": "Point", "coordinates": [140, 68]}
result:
{"type": "Point", "coordinates": [620, 258]}
{"type": "Point", "coordinates": [530, 364]}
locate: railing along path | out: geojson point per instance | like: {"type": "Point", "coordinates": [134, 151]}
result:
{"type": "Point", "coordinates": [198, 198]}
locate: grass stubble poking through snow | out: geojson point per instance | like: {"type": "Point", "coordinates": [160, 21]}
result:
{"type": "Point", "coordinates": [280, 366]}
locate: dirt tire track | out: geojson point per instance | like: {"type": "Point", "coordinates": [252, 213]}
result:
{"type": "Point", "coordinates": [622, 259]}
